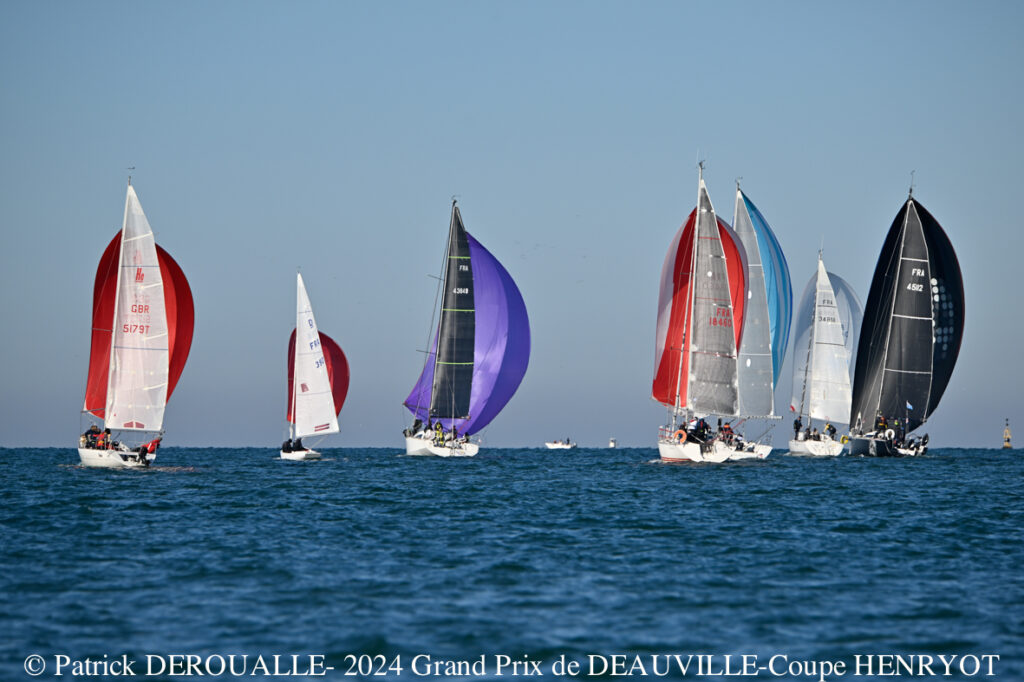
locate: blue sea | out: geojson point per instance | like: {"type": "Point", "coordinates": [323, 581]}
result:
{"type": "Point", "coordinates": [598, 557]}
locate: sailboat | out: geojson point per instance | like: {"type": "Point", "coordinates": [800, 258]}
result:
{"type": "Point", "coordinates": [913, 326]}
{"type": "Point", "coordinates": [479, 355]}
{"type": "Point", "coordinates": [766, 320]}
{"type": "Point", "coordinates": [828, 324]}
{"type": "Point", "coordinates": [1007, 444]}
{"type": "Point", "coordinates": [317, 381]}
{"type": "Point", "coordinates": [142, 320]}
{"type": "Point", "coordinates": [700, 322]}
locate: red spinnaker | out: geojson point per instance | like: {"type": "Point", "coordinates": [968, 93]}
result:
{"type": "Point", "coordinates": [180, 322]}
{"type": "Point", "coordinates": [337, 372]}
{"type": "Point", "coordinates": [676, 278]}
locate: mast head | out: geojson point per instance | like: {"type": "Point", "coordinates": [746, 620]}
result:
{"type": "Point", "coordinates": [910, 193]}
{"type": "Point", "coordinates": [130, 169]}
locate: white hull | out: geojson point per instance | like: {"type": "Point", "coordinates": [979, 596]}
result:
{"type": "Point", "coordinates": [560, 446]}
{"type": "Point", "coordinates": [425, 446]}
{"type": "Point", "coordinates": [716, 452]}
{"type": "Point", "coordinates": [826, 447]}
{"type": "Point", "coordinates": [752, 451]}
{"type": "Point", "coordinates": [300, 455]}
{"type": "Point", "coordinates": [691, 452]}
{"type": "Point", "coordinates": [112, 459]}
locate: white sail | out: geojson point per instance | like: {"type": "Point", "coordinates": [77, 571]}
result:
{"type": "Point", "coordinates": [754, 369]}
{"type": "Point", "coordinates": [850, 316]}
{"type": "Point", "coordinates": [829, 386]}
{"type": "Point", "coordinates": [139, 355]}
{"type": "Point", "coordinates": [313, 402]}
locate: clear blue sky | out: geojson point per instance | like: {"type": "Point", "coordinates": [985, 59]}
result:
{"type": "Point", "coordinates": [331, 136]}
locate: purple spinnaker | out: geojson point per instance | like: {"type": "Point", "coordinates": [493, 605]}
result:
{"type": "Point", "coordinates": [501, 349]}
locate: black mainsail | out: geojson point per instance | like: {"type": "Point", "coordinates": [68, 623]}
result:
{"type": "Point", "coordinates": [913, 324]}
{"type": "Point", "coordinates": [453, 367]}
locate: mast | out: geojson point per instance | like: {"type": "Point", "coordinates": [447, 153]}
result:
{"type": "Point", "coordinates": [810, 346]}
{"type": "Point", "coordinates": [688, 314]}
{"type": "Point", "coordinates": [444, 288]}
{"type": "Point", "coordinates": [295, 363]}
{"type": "Point", "coordinates": [117, 306]}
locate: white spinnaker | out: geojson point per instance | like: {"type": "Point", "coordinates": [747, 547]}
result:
{"type": "Point", "coordinates": [139, 355]}
{"type": "Point", "coordinates": [313, 406]}
{"type": "Point", "coordinates": [830, 392]}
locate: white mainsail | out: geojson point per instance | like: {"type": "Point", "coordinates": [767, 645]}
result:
{"type": "Point", "coordinates": [139, 355]}
{"type": "Point", "coordinates": [313, 410]}
{"type": "Point", "coordinates": [830, 360]}
{"type": "Point", "coordinates": [827, 328]}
